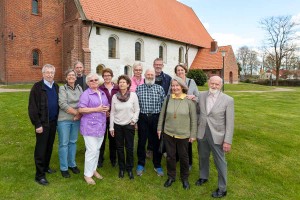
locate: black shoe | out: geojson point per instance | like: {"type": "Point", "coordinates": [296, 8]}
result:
{"type": "Point", "coordinates": [200, 181]}
{"type": "Point", "coordinates": [42, 181]}
{"type": "Point", "coordinates": [100, 164]}
{"type": "Point", "coordinates": [50, 171]}
{"type": "Point", "coordinates": [65, 174]}
{"type": "Point", "coordinates": [130, 174]}
{"type": "Point", "coordinates": [75, 170]}
{"type": "Point", "coordinates": [113, 163]}
{"type": "Point", "coordinates": [121, 174]}
{"type": "Point", "coordinates": [219, 194]}
{"type": "Point", "coordinates": [169, 182]}
{"type": "Point", "coordinates": [185, 185]}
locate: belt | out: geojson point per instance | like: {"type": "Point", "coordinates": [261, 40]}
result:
{"type": "Point", "coordinates": [150, 114]}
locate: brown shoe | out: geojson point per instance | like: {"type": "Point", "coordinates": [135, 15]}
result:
{"type": "Point", "coordinates": [97, 175]}
{"type": "Point", "coordinates": [89, 180]}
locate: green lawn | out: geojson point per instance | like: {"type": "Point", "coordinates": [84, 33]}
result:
{"type": "Point", "coordinates": [263, 164]}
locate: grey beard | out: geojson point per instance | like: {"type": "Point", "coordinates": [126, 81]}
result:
{"type": "Point", "coordinates": [149, 82]}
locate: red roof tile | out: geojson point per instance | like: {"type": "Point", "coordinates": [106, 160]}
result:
{"type": "Point", "coordinates": [209, 60]}
{"type": "Point", "coordinates": [168, 19]}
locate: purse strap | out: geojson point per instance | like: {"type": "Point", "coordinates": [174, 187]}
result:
{"type": "Point", "coordinates": [163, 123]}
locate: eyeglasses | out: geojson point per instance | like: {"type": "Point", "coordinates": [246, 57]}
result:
{"type": "Point", "coordinates": [138, 70]}
{"type": "Point", "coordinates": [107, 75]}
{"type": "Point", "coordinates": [93, 80]}
{"type": "Point", "coordinates": [49, 73]}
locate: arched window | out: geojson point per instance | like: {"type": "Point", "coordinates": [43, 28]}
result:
{"type": "Point", "coordinates": [127, 70]}
{"type": "Point", "coordinates": [100, 68]}
{"type": "Point", "coordinates": [36, 57]}
{"type": "Point", "coordinates": [138, 52]}
{"type": "Point", "coordinates": [181, 55]}
{"type": "Point", "coordinates": [35, 7]}
{"type": "Point", "coordinates": [163, 52]}
{"type": "Point", "coordinates": [112, 47]}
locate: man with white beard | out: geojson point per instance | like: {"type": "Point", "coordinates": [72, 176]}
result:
{"type": "Point", "coordinates": [215, 132]}
{"type": "Point", "coordinates": [151, 97]}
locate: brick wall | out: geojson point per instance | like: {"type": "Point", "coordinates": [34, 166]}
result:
{"type": "Point", "coordinates": [2, 46]}
{"type": "Point", "coordinates": [33, 32]}
{"type": "Point", "coordinates": [76, 44]}
{"type": "Point", "coordinates": [230, 66]}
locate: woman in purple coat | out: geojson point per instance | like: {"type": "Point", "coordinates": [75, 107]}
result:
{"type": "Point", "coordinates": [93, 105]}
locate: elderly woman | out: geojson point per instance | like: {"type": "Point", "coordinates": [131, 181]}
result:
{"type": "Point", "coordinates": [93, 105]}
{"type": "Point", "coordinates": [180, 125]}
{"type": "Point", "coordinates": [68, 124]}
{"type": "Point", "coordinates": [109, 88]}
{"type": "Point", "coordinates": [192, 93]}
{"type": "Point", "coordinates": [123, 117]}
{"type": "Point", "coordinates": [137, 78]}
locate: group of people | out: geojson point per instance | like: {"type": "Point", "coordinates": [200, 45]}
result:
{"type": "Point", "coordinates": [161, 108]}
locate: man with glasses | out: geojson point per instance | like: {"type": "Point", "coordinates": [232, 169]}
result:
{"type": "Point", "coordinates": [43, 113]}
{"type": "Point", "coordinates": [161, 78]}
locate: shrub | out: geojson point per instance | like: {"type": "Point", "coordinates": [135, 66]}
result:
{"type": "Point", "coordinates": [198, 75]}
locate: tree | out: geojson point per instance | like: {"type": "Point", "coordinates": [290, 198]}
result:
{"type": "Point", "coordinates": [242, 57]}
{"type": "Point", "coordinates": [279, 39]}
{"type": "Point", "coordinates": [198, 75]}
{"type": "Point", "coordinates": [253, 61]}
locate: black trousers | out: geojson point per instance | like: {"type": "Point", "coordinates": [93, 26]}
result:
{"type": "Point", "coordinates": [180, 146]}
{"type": "Point", "coordinates": [147, 127]}
{"type": "Point", "coordinates": [112, 146]}
{"type": "Point", "coordinates": [43, 149]}
{"type": "Point", "coordinates": [125, 135]}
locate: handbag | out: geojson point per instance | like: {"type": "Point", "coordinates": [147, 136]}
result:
{"type": "Point", "coordinates": [162, 147]}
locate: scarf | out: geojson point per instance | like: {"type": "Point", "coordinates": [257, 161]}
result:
{"type": "Point", "coordinates": [123, 98]}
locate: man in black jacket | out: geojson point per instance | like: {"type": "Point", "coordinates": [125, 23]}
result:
{"type": "Point", "coordinates": [43, 113]}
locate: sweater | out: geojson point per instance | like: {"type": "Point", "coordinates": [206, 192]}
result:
{"type": "Point", "coordinates": [185, 123]}
{"type": "Point", "coordinates": [123, 113]}
{"type": "Point", "coordinates": [68, 97]}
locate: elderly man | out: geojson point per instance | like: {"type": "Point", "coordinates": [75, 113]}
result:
{"type": "Point", "coordinates": [151, 97]}
{"type": "Point", "coordinates": [161, 78]}
{"type": "Point", "coordinates": [79, 69]}
{"type": "Point", "coordinates": [43, 113]}
{"type": "Point", "coordinates": [215, 132]}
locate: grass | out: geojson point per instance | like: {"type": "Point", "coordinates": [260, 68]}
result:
{"type": "Point", "coordinates": [263, 164]}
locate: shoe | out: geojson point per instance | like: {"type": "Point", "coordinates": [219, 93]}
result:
{"type": "Point", "coordinates": [97, 175]}
{"type": "Point", "coordinates": [113, 163]}
{"type": "Point", "coordinates": [75, 170]}
{"type": "Point", "coordinates": [42, 181]}
{"type": "Point", "coordinates": [130, 174]}
{"type": "Point", "coordinates": [65, 174]}
{"type": "Point", "coordinates": [100, 164]}
{"type": "Point", "coordinates": [200, 181]}
{"type": "Point", "coordinates": [89, 180]}
{"type": "Point", "coordinates": [149, 154]}
{"type": "Point", "coordinates": [50, 171]}
{"type": "Point", "coordinates": [139, 170]}
{"type": "Point", "coordinates": [169, 182]}
{"type": "Point", "coordinates": [121, 174]}
{"type": "Point", "coordinates": [185, 185]}
{"type": "Point", "coordinates": [219, 194]}
{"type": "Point", "coordinates": [159, 171]}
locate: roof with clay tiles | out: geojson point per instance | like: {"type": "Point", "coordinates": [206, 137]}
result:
{"type": "Point", "coordinates": [205, 59]}
{"type": "Point", "coordinates": [168, 19]}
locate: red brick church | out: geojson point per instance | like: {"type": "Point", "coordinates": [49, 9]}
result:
{"type": "Point", "coordinates": [36, 32]}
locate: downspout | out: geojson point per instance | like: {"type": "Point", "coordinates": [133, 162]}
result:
{"type": "Point", "coordinates": [3, 45]}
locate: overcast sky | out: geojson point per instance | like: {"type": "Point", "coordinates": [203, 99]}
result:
{"type": "Point", "coordinates": [236, 22]}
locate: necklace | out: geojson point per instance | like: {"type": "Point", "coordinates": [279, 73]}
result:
{"type": "Point", "coordinates": [175, 110]}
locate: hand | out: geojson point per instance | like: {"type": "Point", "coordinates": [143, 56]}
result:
{"type": "Point", "coordinates": [191, 140]}
{"type": "Point", "coordinates": [39, 130]}
{"type": "Point", "coordinates": [77, 117]}
{"type": "Point", "coordinates": [112, 133]}
{"type": "Point", "coordinates": [191, 97]}
{"type": "Point", "coordinates": [158, 133]}
{"type": "Point", "coordinates": [226, 147]}
{"type": "Point", "coordinates": [132, 123]}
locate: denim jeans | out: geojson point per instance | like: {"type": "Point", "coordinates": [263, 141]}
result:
{"type": "Point", "coordinates": [67, 138]}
